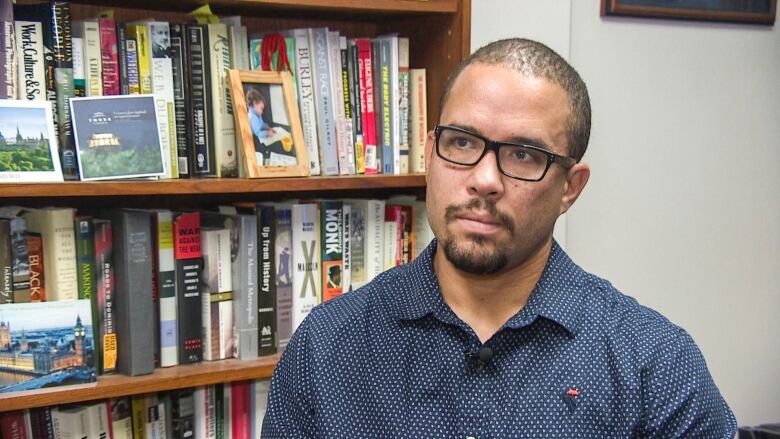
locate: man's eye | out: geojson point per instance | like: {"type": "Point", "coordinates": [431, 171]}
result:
{"type": "Point", "coordinates": [462, 142]}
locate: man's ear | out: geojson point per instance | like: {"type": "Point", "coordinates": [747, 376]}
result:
{"type": "Point", "coordinates": [576, 179]}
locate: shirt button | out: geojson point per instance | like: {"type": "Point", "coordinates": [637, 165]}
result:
{"type": "Point", "coordinates": [471, 437]}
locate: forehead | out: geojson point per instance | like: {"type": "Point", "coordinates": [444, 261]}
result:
{"type": "Point", "coordinates": [504, 104]}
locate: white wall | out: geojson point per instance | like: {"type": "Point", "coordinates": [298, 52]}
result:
{"type": "Point", "coordinates": [683, 207]}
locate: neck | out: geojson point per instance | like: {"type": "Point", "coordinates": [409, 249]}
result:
{"type": "Point", "coordinates": [486, 302]}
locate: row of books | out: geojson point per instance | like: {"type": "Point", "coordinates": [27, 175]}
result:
{"type": "Point", "coordinates": [170, 287]}
{"type": "Point", "coordinates": [362, 108]}
{"type": "Point", "coordinates": [220, 411]}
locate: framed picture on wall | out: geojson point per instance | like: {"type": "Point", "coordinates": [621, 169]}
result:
{"type": "Point", "coordinates": [268, 127]}
{"type": "Point", "coordinates": [736, 11]}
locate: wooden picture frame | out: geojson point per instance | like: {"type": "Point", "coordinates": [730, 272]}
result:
{"type": "Point", "coordinates": [746, 11]}
{"type": "Point", "coordinates": [271, 143]}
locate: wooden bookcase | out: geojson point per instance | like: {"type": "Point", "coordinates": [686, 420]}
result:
{"type": "Point", "coordinates": [439, 32]}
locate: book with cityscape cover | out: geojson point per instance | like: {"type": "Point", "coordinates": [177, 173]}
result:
{"type": "Point", "coordinates": [46, 344]}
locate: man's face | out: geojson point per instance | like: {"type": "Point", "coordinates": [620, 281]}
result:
{"type": "Point", "coordinates": [485, 221]}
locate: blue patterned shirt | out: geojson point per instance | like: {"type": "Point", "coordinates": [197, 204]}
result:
{"type": "Point", "coordinates": [580, 360]}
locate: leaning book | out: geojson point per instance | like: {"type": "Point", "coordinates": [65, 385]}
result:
{"type": "Point", "coordinates": [46, 344]}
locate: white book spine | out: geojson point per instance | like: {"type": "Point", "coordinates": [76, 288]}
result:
{"type": "Point", "coordinates": [303, 74]}
{"type": "Point", "coordinates": [162, 86]}
{"type": "Point", "coordinates": [31, 71]}
{"type": "Point", "coordinates": [222, 104]}
{"type": "Point", "coordinates": [337, 91]}
{"type": "Point", "coordinates": [326, 127]}
{"type": "Point", "coordinates": [245, 289]}
{"type": "Point", "coordinates": [56, 228]}
{"type": "Point", "coordinates": [93, 63]}
{"type": "Point", "coordinates": [375, 218]}
{"type": "Point", "coordinates": [205, 422]}
{"type": "Point", "coordinates": [169, 344]}
{"type": "Point", "coordinates": [306, 261]}
{"type": "Point", "coordinates": [346, 240]}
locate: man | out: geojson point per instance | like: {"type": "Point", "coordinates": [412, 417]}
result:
{"type": "Point", "coordinates": [493, 332]}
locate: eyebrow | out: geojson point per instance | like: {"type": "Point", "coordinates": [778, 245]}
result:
{"type": "Point", "coordinates": [530, 141]}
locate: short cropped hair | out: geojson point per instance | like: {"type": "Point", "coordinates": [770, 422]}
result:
{"type": "Point", "coordinates": [534, 59]}
{"type": "Point", "coordinates": [254, 96]}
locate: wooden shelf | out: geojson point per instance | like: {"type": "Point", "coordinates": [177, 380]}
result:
{"type": "Point", "coordinates": [110, 386]}
{"type": "Point", "coordinates": [208, 186]}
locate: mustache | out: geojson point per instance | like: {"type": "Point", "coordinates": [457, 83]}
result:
{"type": "Point", "coordinates": [451, 212]}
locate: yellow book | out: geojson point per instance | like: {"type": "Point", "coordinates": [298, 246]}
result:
{"type": "Point", "coordinates": [142, 36]}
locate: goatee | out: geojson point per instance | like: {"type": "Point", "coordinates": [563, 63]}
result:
{"type": "Point", "coordinates": [474, 256]}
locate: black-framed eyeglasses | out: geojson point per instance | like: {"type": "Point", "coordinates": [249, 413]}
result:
{"type": "Point", "coordinates": [516, 160]}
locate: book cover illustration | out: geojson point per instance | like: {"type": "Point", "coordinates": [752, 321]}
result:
{"type": "Point", "coordinates": [46, 344]}
{"type": "Point", "coordinates": [117, 137]}
{"type": "Point", "coordinates": [28, 142]}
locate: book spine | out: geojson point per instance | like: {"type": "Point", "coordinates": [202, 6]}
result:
{"type": "Point", "coordinates": [240, 410]}
{"type": "Point", "coordinates": [336, 89]}
{"type": "Point", "coordinates": [303, 66]}
{"type": "Point", "coordinates": [326, 128]}
{"type": "Point", "coordinates": [161, 72]}
{"type": "Point", "coordinates": [8, 54]}
{"type": "Point", "coordinates": [134, 311]}
{"type": "Point", "coordinates": [306, 261]}
{"type": "Point", "coordinates": [357, 241]}
{"type": "Point", "coordinates": [79, 77]}
{"type": "Point", "coordinates": [388, 80]}
{"type": "Point", "coordinates": [181, 99]}
{"type": "Point", "coordinates": [266, 296]}
{"type": "Point", "coordinates": [20, 264]}
{"type": "Point", "coordinates": [121, 418]}
{"type": "Point", "coordinates": [138, 416]}
{"type": "Point", "coordinates": [93, 66]}
{"type": "Point", "coordinates": [355, 107]}
{"type": "Point", "coordinates": [331, 235]}
{"type": "Point", "coordinates": [166, 286]}
{"type": "Point", "coordinates": [245, 277]}
{"type": "Point", "coordinates": [346, 108]}
{"type": "Point", "coordinates": [199, 79]}
{"type": "Point", "coordinates": [346, 247]}
{"type": "Point", "coordinates": [104, 263]}
{"type": "Point", "coordinates": [122, 58]}
{"type": "Point", "coordinates": [15, 425]}
{"type": "Point", "coordinates": [217, 277]}
{"type": "Point", "coordinates": [37, 278]}
{"type": "Point", "coordinates": [140, 33]}
{"type": "Point", "coordinates": [403, 107]}
{"type": "Point", "coordinates": [85, 266]}
{"type": "Point", "coordinates": [133, 75]}
{"type": "Point", "coordinates": [6, 263]}
{"type": "Point", "coordinates": [284, 287]}
{"type": "Point", "coordinates": [367, 104]}
{"type": "Point", "coordinates": [56, 228]}
{"type": "Point", "coordinates": [189, 265]}
{"type": "Point", "coordinates": [31, 62]}
{"type": "Point", "coordinates": [375, 217]}
{"type": "Point", "coordinates": [63, 83]}
{"type": "Point", "coordinates": [182, 413]}
{"type": "Point", "coordinates": [222, 105]}
{"type": "Point", "coordinates": [109, 56]}
{"type": "Point", "coordinates": [418, 120]}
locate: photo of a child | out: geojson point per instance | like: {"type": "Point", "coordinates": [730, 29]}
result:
{"type": "Point", "coordinates": [269, 124]}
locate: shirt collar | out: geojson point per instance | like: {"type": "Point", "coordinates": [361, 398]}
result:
{"type": "Point", "coordinates": [555, 297]}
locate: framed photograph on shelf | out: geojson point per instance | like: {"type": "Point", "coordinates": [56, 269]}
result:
{"type": "Point", "coordinates": [268, 127]}
{"type": "Point", "coordinates": [117, 137]}
{"type": "Point", "coordinates": [736, 11]}
{"type": "Point", "coordinates": [28, 142]}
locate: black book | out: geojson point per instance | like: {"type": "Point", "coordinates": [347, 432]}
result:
{"type": "Point", "coordinates": [181, 99]}
{"type": "Point", "coordinates": [266, 291]}
{"type": "Point", "coordinates": [201, 107]}
{"type": "Point", "coordinates": [189, 265]}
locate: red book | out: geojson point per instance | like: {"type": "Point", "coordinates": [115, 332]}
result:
{"type": "Point", "coordinates": [109, 56]}
{"type": "Point", "coordinates": [365, 70]}
{"type": "Point", "coordinates": [189, 265]}
{"type": "Point", "coordinates": [240, 410]}
{"type": "Point", "coordinates": [14, 425]}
